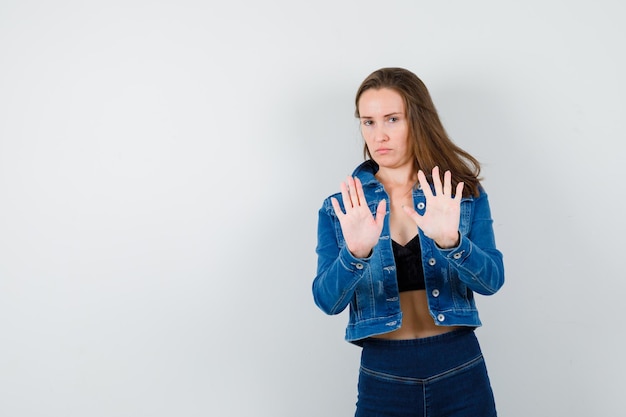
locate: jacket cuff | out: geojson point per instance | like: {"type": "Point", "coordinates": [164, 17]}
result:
{"type": "Point", "coordinates": [460, 252]}
{"type": "Point", "coordinates": [351, 263]}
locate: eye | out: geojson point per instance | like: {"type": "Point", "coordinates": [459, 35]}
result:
{"type": "Point", "coordinates": [367, 122]}
{"type": "Point", "coordinates": [393, 119]}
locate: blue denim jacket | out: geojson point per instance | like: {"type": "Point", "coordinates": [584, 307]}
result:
{"type": "Point", "coordinates": [369, 285]}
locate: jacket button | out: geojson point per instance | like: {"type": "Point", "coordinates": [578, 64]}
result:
{"type": "Point", "coordinates": [441, 317]}
{"type": "Point", "coordinates": [359, 266]}
{"type": "Point", "coordinates": [457, 255]}
{"type": "Point", "coordinates": [432, 261]}
{"type": "Point", "coordinates": [421, 205]}
{"type": "Point", "coordinates": [435, 292]}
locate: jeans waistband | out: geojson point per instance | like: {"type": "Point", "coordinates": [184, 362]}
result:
{"type": "Point", "coordinates": [421, 358]}
{"type": "Point", "coordinates": [422, 341]}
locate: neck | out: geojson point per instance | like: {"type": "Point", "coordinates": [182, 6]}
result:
{"type": "Point", "coordinates": [397, 177]}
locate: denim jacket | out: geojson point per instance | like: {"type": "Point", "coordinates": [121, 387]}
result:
{"type": "Point", "coordinates": [369, 285]}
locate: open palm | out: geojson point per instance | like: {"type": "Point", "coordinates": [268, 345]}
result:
{"type": "Point", "coordinates": [361, 230]}
{"type": "Point", "coordinates": [440, 222]}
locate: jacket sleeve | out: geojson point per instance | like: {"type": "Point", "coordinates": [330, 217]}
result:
{"type": "Point", "coordinates": [338, 271]}
{"type": "Point", "coordinates": [478, 263]}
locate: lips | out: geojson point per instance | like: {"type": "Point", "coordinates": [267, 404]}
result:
{"type": "Point", "coordinates": [383, 151]}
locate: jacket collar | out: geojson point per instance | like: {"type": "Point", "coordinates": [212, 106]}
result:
{"type": "Point", "coordinates": [366, 172]}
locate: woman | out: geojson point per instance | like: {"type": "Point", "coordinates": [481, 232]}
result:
{"type": "Point", "coordinates": [407, 250]}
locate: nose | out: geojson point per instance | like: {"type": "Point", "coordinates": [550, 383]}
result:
{"type": "Point", "coordinates": [380, 135]}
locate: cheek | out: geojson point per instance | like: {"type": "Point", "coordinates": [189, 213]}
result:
{"type": "Point", "coordinates": [368, 145]}
{"type": "Point", "coordinates": [366, 137]}
{"type": "Point", "coordinates": [403, 137]}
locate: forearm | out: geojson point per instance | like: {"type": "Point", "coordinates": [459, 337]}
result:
{"type": "Point", "coordinates": [334, 285]}
{"type": "Point", "coordinates": [482, 270]}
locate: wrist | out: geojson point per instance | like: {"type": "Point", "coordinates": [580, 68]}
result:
{"type": "Point", "coordinates": [361, 253]}
{"type": "Point", "coordinates": [449, 243]}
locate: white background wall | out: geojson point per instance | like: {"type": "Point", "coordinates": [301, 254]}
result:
{"type": "Point", "coordinates": [162, 164]}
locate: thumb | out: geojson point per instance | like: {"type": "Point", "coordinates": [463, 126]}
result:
{"type": "Point", "coordinates": [381, 211]}
{"type": "Point", "coordinates": [412, 214]}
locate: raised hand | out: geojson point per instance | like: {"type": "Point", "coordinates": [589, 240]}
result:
{"type": "Point", "coordinates": [440, 222]}
{"type": "Point", "coordinates": [360, 229]}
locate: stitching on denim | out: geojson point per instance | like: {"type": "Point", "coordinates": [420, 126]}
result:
{"type": "Point", "coordinates": [417, 381]}
{"type": "Point", "coordinates": [476, 276]}
{"type": "Point", "coordinates": [424, 401]}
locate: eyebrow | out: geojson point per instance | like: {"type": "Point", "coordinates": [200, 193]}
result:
{"type": "Point", "coordinates": [386, 115]}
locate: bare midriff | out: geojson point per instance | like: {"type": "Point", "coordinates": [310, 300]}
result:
{"type": "Point", "coordinates": [417, 322]}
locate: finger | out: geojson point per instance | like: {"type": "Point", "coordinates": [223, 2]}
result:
{"type": "Point", "coordinates": [424, 183]}
{"type": "Point", "coordinates": [359, 191]}
{"type": "Point", "coordinates": [417, 218]}
{"type": "Point", "coordinates": [345, 195]}
{"type": "Point", "coordinates": [459, 190]}
{"type": "Point", "coordinates": [353, 195]}
{"type": "Point", "coordinates": [336, 207]}
{"type": "Point", "coordinates": [381, 211]}
{"type": "Point", "coordinates": [437, 181]}
{"type": "Point", "coordinates": [447, 183]}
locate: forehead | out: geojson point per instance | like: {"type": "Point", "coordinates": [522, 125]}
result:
{"type": "Point", "coordinates": [380, 102]}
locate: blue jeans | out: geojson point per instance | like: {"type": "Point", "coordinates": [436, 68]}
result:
{"type": "Point", "coordinates": [443, 375]}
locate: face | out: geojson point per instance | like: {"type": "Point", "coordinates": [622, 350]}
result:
{"type": "Point", "coordinates": [385, 128]}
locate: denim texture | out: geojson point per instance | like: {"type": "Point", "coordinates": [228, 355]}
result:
{"type": "Point", "coordinates": [443, 375]}
{"type": "Point", "coordinates": [369, 285]}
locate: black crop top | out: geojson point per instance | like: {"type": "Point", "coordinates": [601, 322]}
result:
{"type": "Point", "coordinates": [409, 270]}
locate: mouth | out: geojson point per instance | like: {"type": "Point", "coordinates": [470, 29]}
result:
{"type": "Point", "coordinates": [383, 151]}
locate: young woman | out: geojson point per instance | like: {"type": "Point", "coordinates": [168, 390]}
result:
{"type": "Point", "coordinates": [407, 249]}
